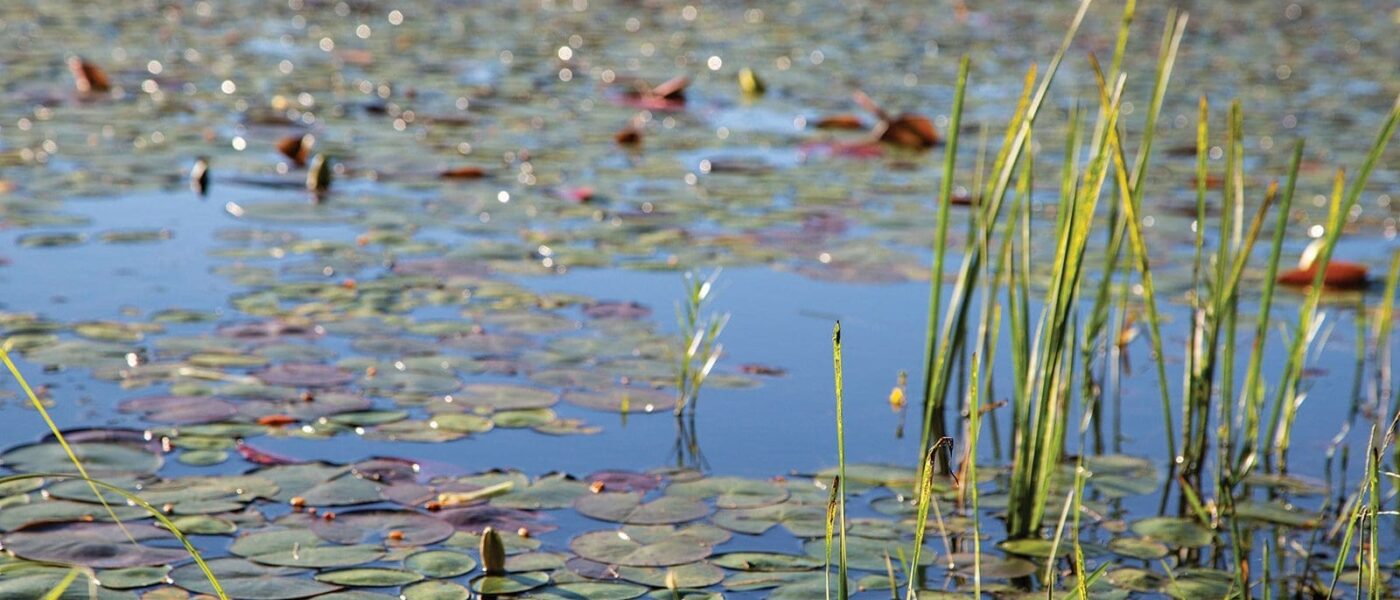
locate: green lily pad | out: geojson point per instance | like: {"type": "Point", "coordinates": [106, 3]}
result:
{"type": "Point", "coordinates": [63, 511]}
{"type": "Point", "coordinates": [617, 548]}
{"type": "Point", "coordinates": [1175, 531]}
{"type": "Point", "coordinates": [1277, 513]}
{"type": "Point", "coordinates": [1200, 583]}
{"type": "Point", "coordinates": [202, 458]}
{"type": "Point", "coordinates": [519, 419]}
{"type": "Point", "coordinates": [731, 492]}
{"type": "Point", "coordinates": [625, 400]}
{"type": "Point", "coordinates": [869, 554]}
{"type": "Point", "coordinates": [1139, 548]}
{"type": "Point", "coordinates": [100, 459]}
{"type": "Point", "coordinates": [1137, 580]}
{"type": "Point", "coordinates": [462, 422]}
{"type": "Point", "coordinates": [249, 581]}
{"type": "Point", "coordinates": [99, 545]}
{"type": "Point", "coordinates": [369, 577]}
{"type": "Point", "coordinates": [546, 493]}
{"type": "Point", "coordinates": [590, 590]}
{"type": "Point", "coordinates": [440, 564]}
{"type": "Point", "coordinates": [690, 575]}
{"type": "Point", "coordinates": [38, 584]}
{"type": "Point", "coordinates": [391, 527]}
{"type": "Point", "coordinates": [765, 561]}
{"type": "Point", "coordinates": [132, 578]}
{"type": "Point", "coordinates": [436, 590]}
{"type": "Point", "coordinates": [1036, 548]}
{"type": "Point", "coordinates": [302, 548]}
{"type": "Point", "coordinates": [511, 583]}
{"type": "Point", "coordinates": [801, 520]}
{"type": "Point", "coordinates": [500, 396]}
{"type": "Point", "coordinates": [622, 507]}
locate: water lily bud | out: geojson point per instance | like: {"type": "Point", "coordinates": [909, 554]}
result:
{"type": "Point", "coordinates": [750, 83]}
{"type": "Point", "coordinates": [199, 176]}
{"type": "Point", "coordinates": [318, 177]}
{"type": "Point", "coordinates": [671, 582]}
{"type": "Point", "coordinates": [493, 552]}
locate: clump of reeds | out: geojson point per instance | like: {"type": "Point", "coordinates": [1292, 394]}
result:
{"type": "Point", "coordinates": [699, 336]}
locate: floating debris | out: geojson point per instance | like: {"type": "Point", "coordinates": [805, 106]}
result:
{"type": "Point", "coordinates": [297, 148]}
{"type": "Point", "coordinates": [905, 129]}
{"type": "Point", "coordinates": [319, 176]}
{"type": "Point", "coordinates": [199, 176]}
{"type": "Point", "coordinates": [88, 77]}
{"type": "Point", "coordinates": [1340, 275]}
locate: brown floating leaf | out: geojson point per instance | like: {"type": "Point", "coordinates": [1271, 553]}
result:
{"type": "Point", "coordinates": [909, 130]}
{"type": "Point", "coordinates": [463, 173]}
{"type": "Point", "coordinates": [667, 96]}
{"type": "Point", "coordinates": [672, 89]}
{"type": "Point", "coordinates": [760, 369]}
{"type": "Point", "coordinates": [581, 194]}
{"type": "Point", "coordinates": [843, 121]}
{"type": "Point", "coordinates": [629, 136]}
{"type": "Point", "coordinates": [1213, 181]}
{"type": "Point", "coordinates": [963, 198]}
{"type": "Point", "coordinates": [297, 147]}
{"type": "Point", "coordinates": [87, 77]}
{"type": "Point", "coordinates": [1339, 275]}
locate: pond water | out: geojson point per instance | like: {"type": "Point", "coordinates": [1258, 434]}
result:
{"type": "Point", "coordinates": [411, 338]}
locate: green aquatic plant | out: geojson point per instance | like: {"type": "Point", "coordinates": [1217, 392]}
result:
{"type": "Point", "coordinates": [699, 335]}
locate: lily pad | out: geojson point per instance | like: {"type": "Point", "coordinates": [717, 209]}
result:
{"type": "Point", "coordinates": [590, 590]}
{"type": "Point", "coordinates": [302, 548]}
{"type": "Point", "coordinates": [391, 527]}
{"type": "Point", "coordinates": [617, 548]}
{"type": "Point", "coordinates": [510, 583]}
{"type": "Point", "coordinates": [624, 400]}
{"type": "Point", "coordinates": [622, 507]}
{"type": "Point", "coordinates": [691, 575]}
{"type": "Point", "coordinates": [440, 564]}
{"type": "Point", "coordinates": [308, 375]}
{"type": "Point", "coordinates": [1139, 548]}
{"type": "Point", "coordinates": [499, 396]}
{"type": "Point", "coordinates": [765, 561]}
{"type": "Point", "coordinates": [369, 577]}
{"type": "Point", "coordinates": [436, 590]}
{"type": "Point", "coordinates": [731, 492]}
{"type": "Point", "coordinates": [100, 459]}
{"type": "Point", "coordinates": [1175, 531]}
{"type": "Point", "coordinates": [98, 545]}
{"type": "Point", "coordinates": [132, 578]}
{"type": "Point", "coordinates": [249, 581]}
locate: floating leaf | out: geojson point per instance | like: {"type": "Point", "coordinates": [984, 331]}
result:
{"type": "Point", "coordinates": [436, 590]}
{"type": "Point", "coordinates": [369, 577]}
{"type": "Point", "coordinates": [616, 548]}
{"type": "Point", "coordinates": [731, 492]}
{"type": "Point", "coordinates": [302, 548]}
{"type": "Point", "coordinates": [440, 564]}
{"type": "Point", "coordinates": [622, 507]}
{"type": "Point", "coordinates": [248, 581]}
{"type": "Point", "coordinates": [100, 459]}
{"type": "Point", "coordinates": [624, 400]}
{"type": "Point", "coordinates": [1175, 531]}
{"type": "Point", "coordinates": [98, 545]}
{"type": "Point", "coordinates": [510, 583]}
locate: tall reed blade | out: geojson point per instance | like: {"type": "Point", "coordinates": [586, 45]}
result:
{"type": "Point", "coordinates": [840, 484]}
